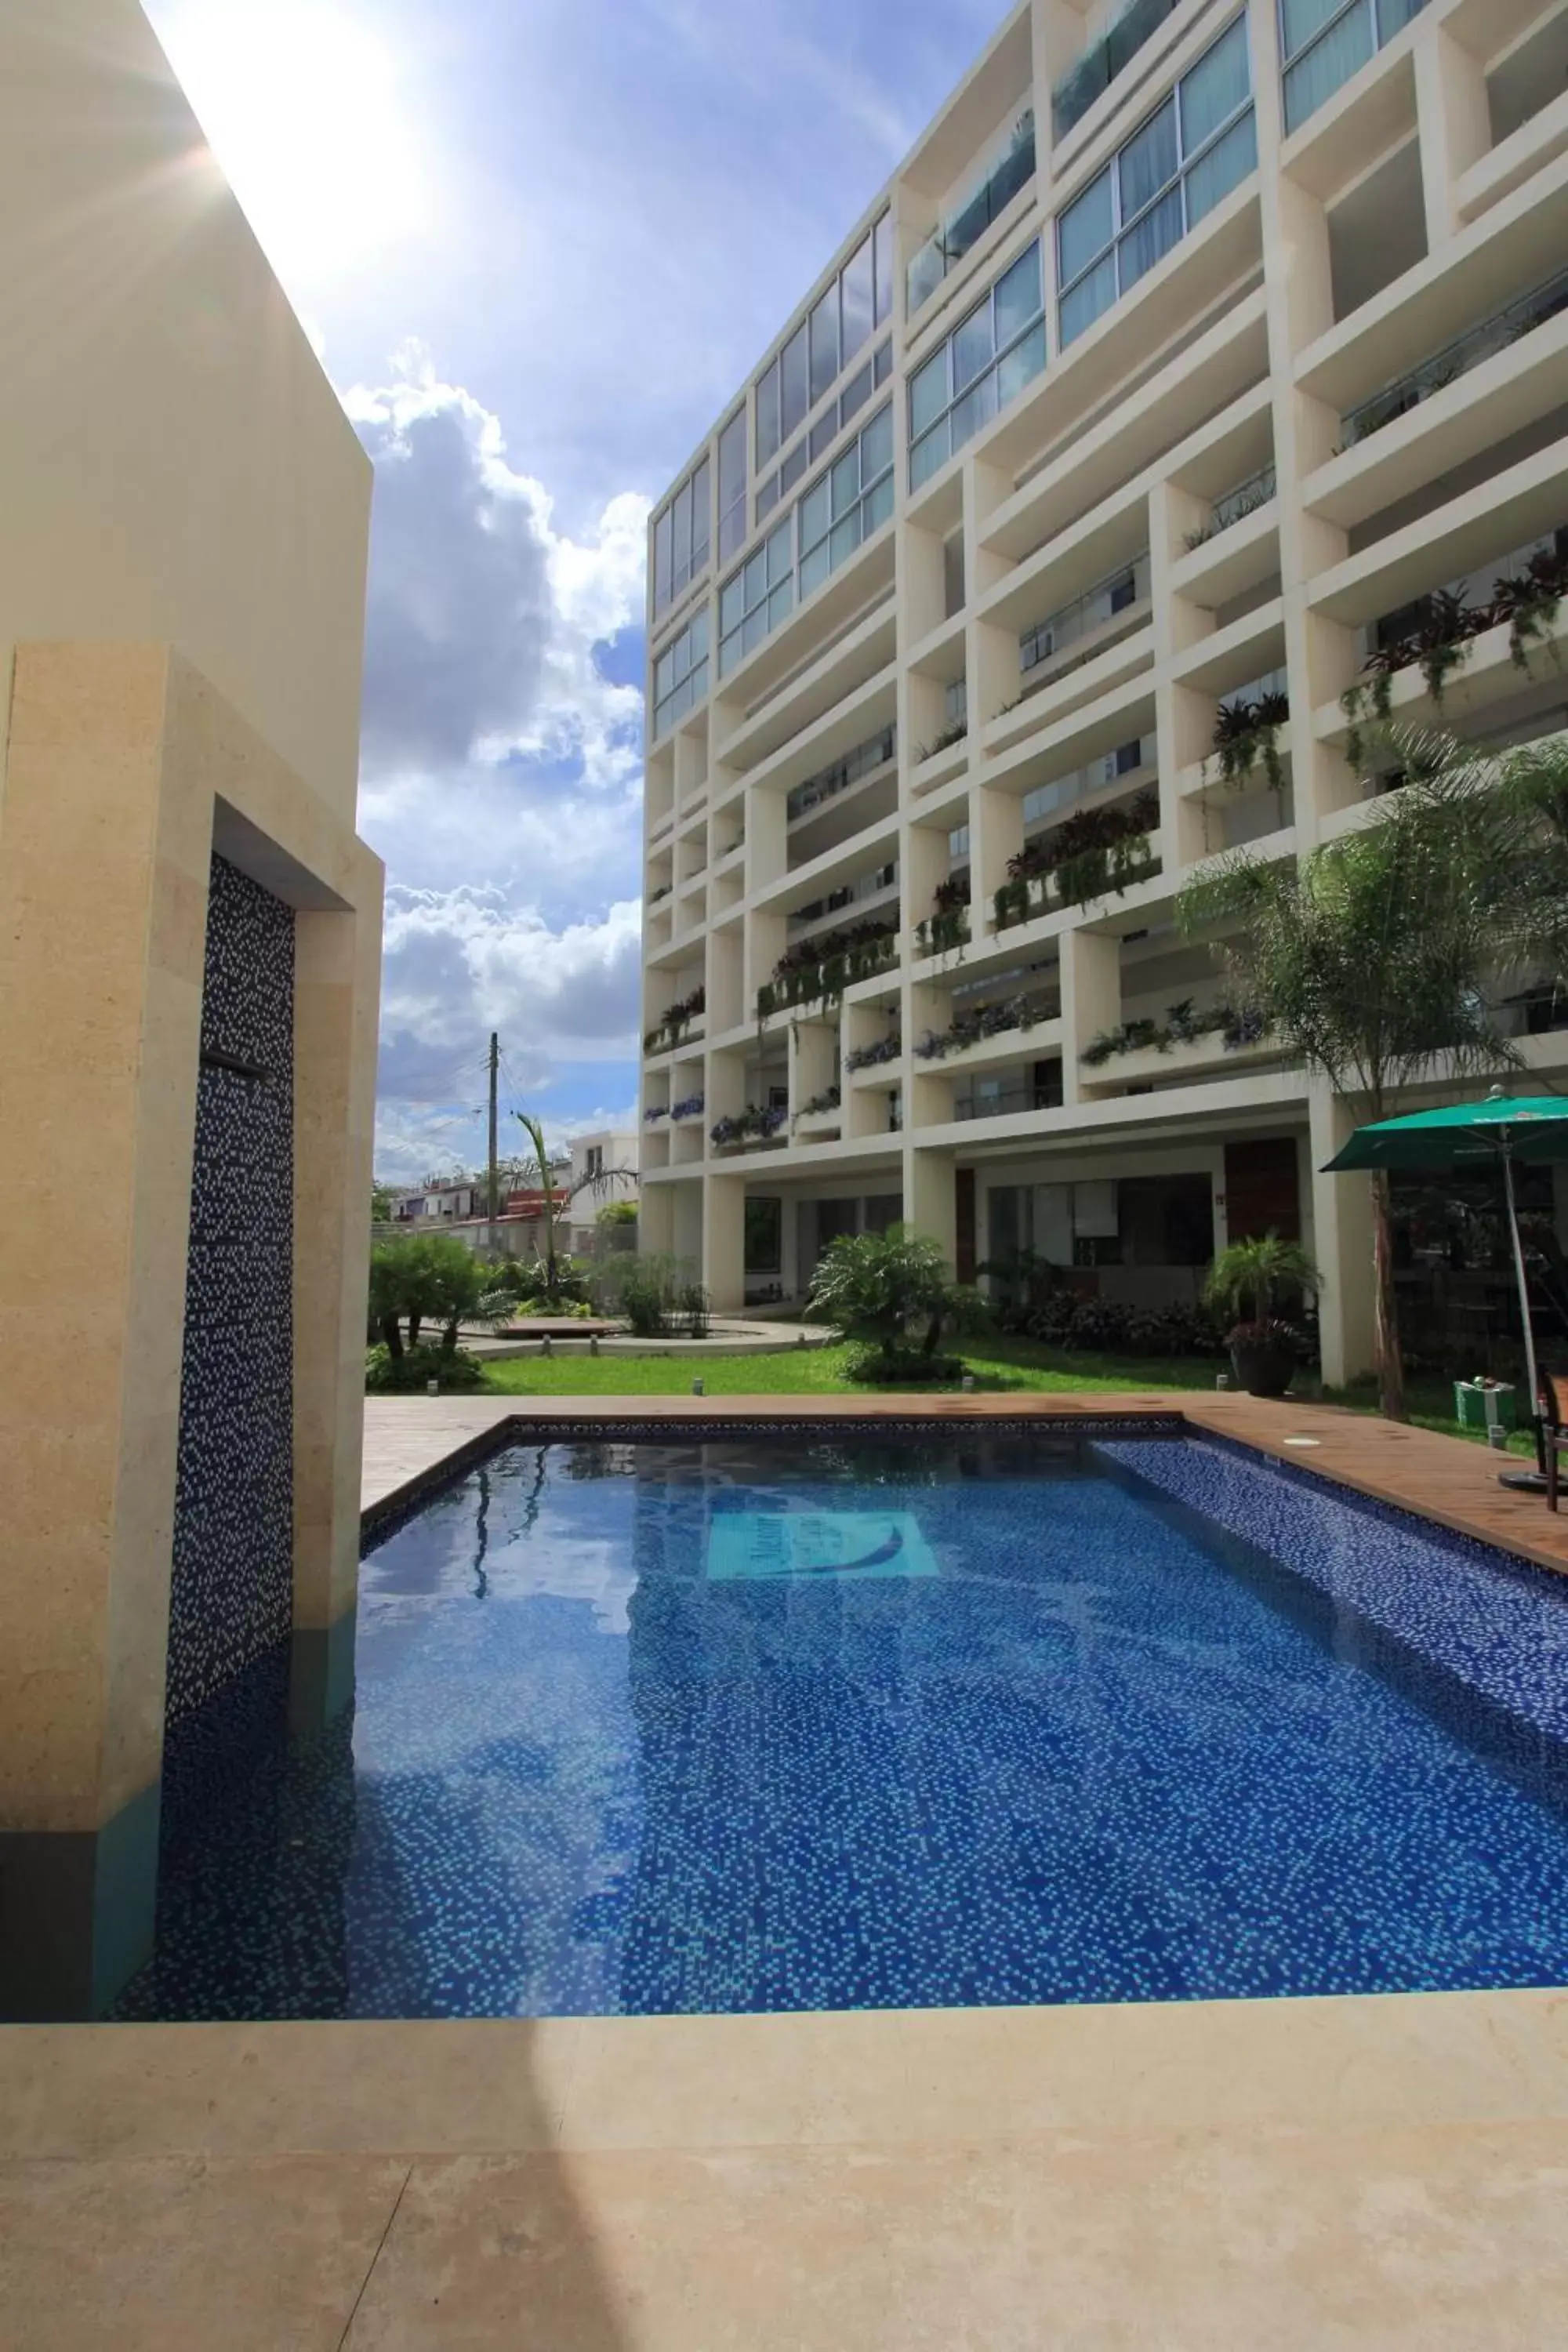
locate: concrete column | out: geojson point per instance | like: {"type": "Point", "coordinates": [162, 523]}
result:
{"type": "Point", "coordinates": [655, 1219]}
{"type": "Point", "coordinates": [1341, 1229]}
{"type": "Point", "coordinates": [1454, 119]}
{"type": "Point", "coordinates": [930, 1196]}
{"type": "Point", "coordinates": [1091, 998]}
{"type": "Point", "coordinates": [724, 1241]}
{"type": "Point", "coordinates": [337, 985]}
{"type": "Point", "coordinates": [102, 924]}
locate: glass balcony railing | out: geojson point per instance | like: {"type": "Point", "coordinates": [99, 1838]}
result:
{"type": "Point", "coordinates": [1111, 54]}
{"type": "Point", "coordinates": [1457, 358]}
{"type": "Point", "coordinates": [1116, 594]}
{"type": "Point", "coordinates": [1004, 178]}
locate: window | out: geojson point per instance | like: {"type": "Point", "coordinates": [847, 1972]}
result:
{"type": "Point", "coordinates": [680, 675]}
{"type": "Point", "coordinates": [1000, 179]}
{"type": "Point", "coordinates": [848, 503]}
{"type": "Point", "coordinates": [732, 485]}
{"type": "Point", "coordinates": [844, 506]}
{"type": "Point", "coordinates": [681, 540]}
{"type": "Point", "coordinates": [843, 319]}
{"type": "Point", "coordinates": [595, 1159]}
{"type": "Point", "coordinates": [1323, 42]}
{"type": "Point", "coordinates": [758, 597]}
{"type": "Point", "coordinates": [835, 419]}
{"type": "Point", "coordinates": [1176, 167]}
{"type": "Point", "coordinates": [1090, 611]}
{"type": "Point", "coordinates": [987, 361]}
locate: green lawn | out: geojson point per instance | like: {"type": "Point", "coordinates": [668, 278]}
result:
{"type": "Point", "coordinates": [999, 1366]}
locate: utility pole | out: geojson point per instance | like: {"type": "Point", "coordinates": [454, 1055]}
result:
{"type": "Point", "coordinates": [495, 1071]}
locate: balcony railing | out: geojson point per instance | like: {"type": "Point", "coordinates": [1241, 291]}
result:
{"type": "Point", "coordinates": [827, 785]}
{"type": "Point", "coordinates": [1123, 588]}
{"type": "Point", "coordinates": [1457, 358]}
{"type": "Point", "coordinates": [944, 251]}
{"type": "Point", "coordinates": [1110, 55]}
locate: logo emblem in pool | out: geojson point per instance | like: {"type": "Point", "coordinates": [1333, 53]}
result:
{"type": "Point", "coordinates": [817, 1544]}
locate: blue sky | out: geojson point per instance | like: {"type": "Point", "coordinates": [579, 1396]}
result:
{"type": "Point", "coordinates": [539, 244]}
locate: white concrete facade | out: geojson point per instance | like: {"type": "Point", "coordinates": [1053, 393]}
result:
{"type": "Point", "coordinates": [1289, 359]}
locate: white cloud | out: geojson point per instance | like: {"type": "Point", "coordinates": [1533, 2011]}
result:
{"type": "Point", "coordinates": [503, 777]}
{"type": "Point", "coordinates": [482, 618]}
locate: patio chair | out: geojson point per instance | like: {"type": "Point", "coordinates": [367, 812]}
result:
{"type": "Point", "coordinates": [1551, 1432]}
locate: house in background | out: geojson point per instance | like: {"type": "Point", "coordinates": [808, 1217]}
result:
{"type": "Point", "coordinates": [606, 1168]}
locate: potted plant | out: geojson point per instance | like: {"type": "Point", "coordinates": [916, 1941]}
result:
{"type": "Point", "coordinates": [1248, 1280]}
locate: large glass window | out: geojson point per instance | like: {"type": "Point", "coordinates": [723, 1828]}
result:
{"type": "Point", "coordinates": [681, 540]}
{"type": "Point", "coordinates": [844, 506]}
{"type": "Point", "coordinates": [843, 319]}
{"type": "Point", "coordinates": [1191, 151]}
{"type": "Point", "coordinates": [757, 598]}
{"type": "Point", "coordinates": [987, 361]}
{"type": "Point", "coordinates": [732, 485]}
{"type": "Point", "coordinates": [851, 501]}
{"type": "Point", "coordinates": [1326, 41]}
{"type": "Point", "coordinates": [680, 675]}
{"type": "Point", "coordinates": [833, 420]}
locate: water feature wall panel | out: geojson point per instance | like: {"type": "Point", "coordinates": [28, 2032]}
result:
{"type": "Point", "coordinates": [231, 1598]}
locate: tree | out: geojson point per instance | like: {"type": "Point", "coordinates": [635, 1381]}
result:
{"type": "Point", "coordinates": [383, 1200]}
{"type": "Point", "coordinates": [538, 1171]}
{"type": "Point", "coordinates": [1371, 959]}
{"type": "Point", "coordinates": [873, 1286]}
{"type": "Point", "coordinates": [429, 1278]}
{"type": "Point", "coordinates": [1257, 1274]}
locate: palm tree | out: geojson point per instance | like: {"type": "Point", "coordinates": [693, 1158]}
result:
{"type": "Point", "coordinates": [1372, 959]}
{"type": "Point", "coordinates": [873, 1286]}
{"type": "Point", "coordinates": [535, 1169]}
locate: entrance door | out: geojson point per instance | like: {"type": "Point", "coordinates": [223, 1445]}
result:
{"type": "Point", "coordinates": [1263, 1189]}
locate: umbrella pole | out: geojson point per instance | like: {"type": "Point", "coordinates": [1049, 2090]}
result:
{"type": "Point", "coordinates": [1523, 1305]}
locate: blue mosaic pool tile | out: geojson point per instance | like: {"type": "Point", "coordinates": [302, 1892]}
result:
{"type": "Point", "coordinates": [1494, 1622]}
{"type": "Point", "coordinates": [1111, 1750]}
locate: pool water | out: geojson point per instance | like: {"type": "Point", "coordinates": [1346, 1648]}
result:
{"type": "Point", "coordinates": [933, 1718]}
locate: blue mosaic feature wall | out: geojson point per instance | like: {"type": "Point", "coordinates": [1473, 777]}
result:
{"type": "Point", "coordinates": [232, 1595]}
{"type": "Point", "coordinates": [1110, 1751]}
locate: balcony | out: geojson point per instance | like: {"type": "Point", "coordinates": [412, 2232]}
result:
{"type": "Point", "coordinates": [1088, 80]}
{"type": "Point", "coordinates": [1000, 183]}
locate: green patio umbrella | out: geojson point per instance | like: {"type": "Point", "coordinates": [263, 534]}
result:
{"type": "Point", "coordinates": [1463, 1138]}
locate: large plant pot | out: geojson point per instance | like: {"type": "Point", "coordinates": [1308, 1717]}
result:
{"type": "Point", "coordinates": [1262, 1367]}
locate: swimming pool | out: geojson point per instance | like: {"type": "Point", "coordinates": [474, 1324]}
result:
{"type": "Point", "coordinates": [903, 1716]}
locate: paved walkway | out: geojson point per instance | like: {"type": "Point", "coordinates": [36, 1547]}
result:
{"type": "Point", "coordinates": [1389, 2175]}
{"type": "Point", "coordinates": [727, 1337]}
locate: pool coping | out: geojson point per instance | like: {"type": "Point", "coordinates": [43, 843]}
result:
{"type": "Point", "coordinates": [1445, 1482]}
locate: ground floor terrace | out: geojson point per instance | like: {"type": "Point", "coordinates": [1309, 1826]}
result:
{"type": "Point", "coordinates": [1132, 1203]}
{"type": "Point", "coordinates": [1206, 2176]}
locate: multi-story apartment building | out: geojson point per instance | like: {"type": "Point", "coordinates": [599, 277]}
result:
{"type": "Point", "coordinates": [1189, 354]}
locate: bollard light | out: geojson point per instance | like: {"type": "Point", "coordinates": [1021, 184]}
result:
{"type": "Point", "coordinates": [698, 1388]}
{"type": "Point", "coordinates": [1222, 1380]}
{"type": "Point", "coordinates": [593, 1343]}
{"type": "Point", "coordinates": [544, 1345]}
{"type": "Point", "coordinates": [432, 1388]}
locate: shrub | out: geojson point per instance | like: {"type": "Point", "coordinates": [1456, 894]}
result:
{"type": "Point", "coordinates": [873, 1287]}
{"type": "Point", "coordinates": [902, 1368]}
{"type": "Point", "coordinates": [429, 1278]}
{"type": "Point", "coordinates": [456, 1372]}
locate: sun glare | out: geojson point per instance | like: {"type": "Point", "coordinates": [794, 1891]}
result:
{"type": "Point", "coordinates": [302, 104]}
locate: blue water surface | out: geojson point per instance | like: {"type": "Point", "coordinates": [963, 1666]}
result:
{"type": "Point", "coordinates": [1111, 1750]}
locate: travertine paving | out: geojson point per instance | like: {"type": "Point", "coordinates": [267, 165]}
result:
{"type": "Point", "coordinates": [1388, 2172]}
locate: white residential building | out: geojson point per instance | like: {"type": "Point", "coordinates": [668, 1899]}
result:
{"type": "Point", "coordinates": [1188, 353]}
